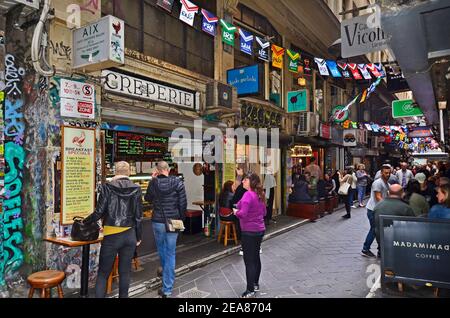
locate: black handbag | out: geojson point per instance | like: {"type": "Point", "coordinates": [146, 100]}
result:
{"type": "Point", "coordinates": [84, 231]}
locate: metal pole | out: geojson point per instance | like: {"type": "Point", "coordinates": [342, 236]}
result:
{"type": "Point", "coordinates": [441, 120]}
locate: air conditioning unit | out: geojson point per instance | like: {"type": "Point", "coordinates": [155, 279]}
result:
{"type": "Point", "coordinates": [220, 95]}
{"type": "Point", "coordinates": [308, 124]}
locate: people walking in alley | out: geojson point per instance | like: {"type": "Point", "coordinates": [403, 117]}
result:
{"type": "Point", "coordinates": [427, 189]}
{"type": "Point", "coordinates": [393, 204]}
{"type": "Point", "coordinates": [416, 201]}
{"type": "Point", "coordinates": [352, 190]}
{"type": "Point", "coordinates": [120, 207]}
{"type": "Point", "coordinates": [345, 181]}
{"type": "Point", "coordinates": [168, 196]}
{"type": "Point", "coordinates": [251, 211]}
{"type": "Point", "coordinates": [404, 175]}
{"type": "Point", "coordinates": [361, 183]}
{"type": "Point", "coordinates": [269, 187]}
{"type": "Point", "coordinates": [379, 191]}
{"type": "Point", "coordinates": [441, 210]}
{"type": "Point", "coordinates": [226, 206]}
{"type": "Point", "coordinates": [314, 170]}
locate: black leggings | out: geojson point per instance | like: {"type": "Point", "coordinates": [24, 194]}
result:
{"type": "Point", "coordinates": [251, 244]}
{"type": "Point", "coordinates": [345, 198]}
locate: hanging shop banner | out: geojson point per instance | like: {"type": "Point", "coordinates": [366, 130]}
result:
{"type": "Point", "coordinates": [78, 173]}
{"type": "Point", "coordinates": [188, 11]}
{"type": "Point", "coordinates": [246, 41]}
{"type": "Point", "coordinates": [166, 5]}
{"type": "Point", "coordinates": [339, 114]}
{"type": "Point", "coordinates": [322, 65]}
{"type": "Point", "coordinates": [293, 60]}
{"type": "Point", "coordinates": [228, 31]}
{"type": "Point", "coordinates": [277, 56]}
{"type": "Point", "coordinates": [263, 49]}
{"type": "Point", "coordinates": [421, 132]}
{"type": "Point", "coordinates": [307, 71]}
{"type": "Point", "coordinates": [373, 69]}
{"type": "Point", "coordinates": [124, 84]}
{"type": "Point", "coordinates": [245, 79]}
{"type": "Point", "coordinates": [350, 138]}
{"type": "Point", "coordinates": [209, 24]}
{"type": "Point", "coordinates": [343, 67]}
{"type": "Point", "coordinates": [325, 131]}
{"type": "Point", "coordinates": [333, 68]}
{"type": "Point", "coordinates": [363, 69]}
{"type": "Point", "coordinates": [396, 82]}
{"type": "Point", "coordinates": [405, 108]}
{"type": "Point", "coordinates": [353, 67]}
{"type": "Point", "coordinates": [380, 69]}
{"type": "Point", "coordinates": [298, 101]}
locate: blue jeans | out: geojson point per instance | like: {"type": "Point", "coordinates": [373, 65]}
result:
{"type": "Point", "coordinates": [361, 193]}
{"type": "Point", "coordinates": [351, 194]}
{"type": "Point", "coordinates": [371, 235]}
{"type": "Point", "coordinates": [166, 244]}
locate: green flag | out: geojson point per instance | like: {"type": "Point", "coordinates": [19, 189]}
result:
{"type": "Point", "coordinates": [293, 60]}
{"type": "Point", "coordinates": [228, 31]}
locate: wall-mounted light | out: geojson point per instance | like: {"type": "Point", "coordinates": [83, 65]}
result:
{"type": "Point", "coordinates": [442, 105]}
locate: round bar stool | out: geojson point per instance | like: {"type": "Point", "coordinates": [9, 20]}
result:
{"type": "Point", "coordinates": [45, 280]}
{"type": "Point", "coordinates": [230, 234]}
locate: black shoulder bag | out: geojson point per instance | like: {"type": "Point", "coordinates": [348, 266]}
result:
{"type": "Point", "coordinates": [84, 231]}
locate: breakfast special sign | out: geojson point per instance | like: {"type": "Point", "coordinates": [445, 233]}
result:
{"type": "Point", "coordinates": [78, 173]}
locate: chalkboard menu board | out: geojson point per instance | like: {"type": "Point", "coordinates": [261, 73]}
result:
{"type": "Point", "coordinates": [155, 146]}
{"type": "Point", "coordinates": [129, 144]}
{"type": "Point", "coordinates": [132, 146]}
{"type": "Point", "coordinates": [109, 146]}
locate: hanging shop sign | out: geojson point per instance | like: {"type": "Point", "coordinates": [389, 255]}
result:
{"type": "Point", "coordinates": [99, 45]}
{"type": "Point", "coordinates": [322, 65]}
{"type": "Point", "coordinates": [365, 73]}
{"type": "Point", "coordinates": [359, 39]}
{"type": "Point", "coordinates": [277, 56]}
{"type": "Point", "coordinates": [77, 99]}
{"type": "Point", "coordinates": [298, 101]}
{"type": "Point", "coordinates": [396, 81]}
{"type": "Point", "coordinates": [78, 173]}
{"type": "Point", "coordinates": [405, 108]}
{"type": "Point", "coordinates": [188, 12]}
{"type": "Point", "coordinates": [294, 58]}
{"type": "Point", "coordinates": [209, 23]}
{"type": "Point", "coordinates": [339, 115]}
{"type": "Point", "coordinates": [421, 132]}
{"type": "Point", "coordinates": [246, 41]}
{"type": "Point", "coordinates": [415, 250]}
{"type": "Point", "coordinates": [228, 31]}
{"type": "Point", "coordinates": [148, 89]}
{"type": "Point", "coordinates": [343, 67]}
{"type": "Point", "coordinates": [353, 67]}
{"type": "Point", "coordinates": [256, 116]}
{"type": "Point", "coordinates": [166, 4]}
{"type": "Point", "coordinates": [245, 79]}
{"type": "Point", "coordinates": [349, 138]}
{"type": "Point", "coordinates": [325, 131]}
{"type": "Point", "coordinates": [263, 49]}
{"type": "Point", "coordinates": [332, 65]}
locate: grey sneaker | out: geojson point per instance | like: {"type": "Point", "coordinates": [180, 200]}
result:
{"type": "Point", "coordinates": [248, 294]}
{"type": "Point", "coordinates": [256, 288]}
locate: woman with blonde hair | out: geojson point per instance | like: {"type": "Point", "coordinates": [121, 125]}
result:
{"type": "Point", "coordinates": [361, 183]}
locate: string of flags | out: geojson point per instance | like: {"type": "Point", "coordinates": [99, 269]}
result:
{"type": "Point", "coordinates": [251, 44]}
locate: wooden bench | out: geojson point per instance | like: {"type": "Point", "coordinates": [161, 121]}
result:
{"type": "Point", "coordinates": [309, 211]}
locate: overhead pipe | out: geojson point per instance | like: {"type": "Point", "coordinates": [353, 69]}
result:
{"type": "Point", "coordinates": [36, 44]}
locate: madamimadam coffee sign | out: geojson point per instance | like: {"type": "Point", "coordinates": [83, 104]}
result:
{"type": "Point", "coordinates": [148, 89]}
{"type": "Point", "coordinates": [415, 250]}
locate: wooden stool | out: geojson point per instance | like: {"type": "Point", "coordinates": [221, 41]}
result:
{"type": "Point", "coordinates": [45, 280]}
{"type": "Point", "coordinates": [115, 272]}
{"type": "Point", "coordinates": [229, 235]}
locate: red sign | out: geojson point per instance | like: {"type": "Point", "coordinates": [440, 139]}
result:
{"type": "Point", "coordinates": [85, 107]}
{"type": "Point", "coordinates": [325, 131]}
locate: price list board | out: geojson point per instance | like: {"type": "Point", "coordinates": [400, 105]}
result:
{"type": "Point", "coordinates": [130, 145]}
{"type": "Point", "coordinates": [109, 146]}
{"type": "Point", "coordinates": [155, 146]}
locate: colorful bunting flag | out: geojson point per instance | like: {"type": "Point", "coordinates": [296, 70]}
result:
{"type": "Point", "coordinates": [228, 31]}
{"type": "Point", "coordinates": [354, 69]}
{"type": "Point", "coordinates": [322, 65]}
{"type": "Point", "coordinates": [343, 68]}
{"type": "Point", "coordinates": [373, 86]}
{"type": "Point", "coordinates": [372, 68]}
{"type": "Point", "coordinates": [307, 67]}
{"type": "Point", "coordinates": [263, 49]}
{"type": "Point", "coordinates": [293, 60]}
{"type": "Point", "coordinates": [209, 24]}
{"type": "Point", "coordinates": [380, 69]}
{"type": "Point", "coordinates": [277, 56]}
{"type": "Point", "coordinates": [362, 68]}
{"type": "Point", "coordinates": [246, 42]}
{"type": "Point", "coordinates": [333, 68]}
{"type": "Point", "coordinates": [188, 11]}
{"type": "Point", "coordinates": [363, 97]}
{"type": "Point", "coordinates": [166, 5]}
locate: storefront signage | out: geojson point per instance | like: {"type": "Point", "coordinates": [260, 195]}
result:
{"type": "Point", "coordinates": [350, 138]}
{"type": "Point", "coordinates": [325, 131]}
{"type": "Point", "coordinates": [396, 81]}
{"type": "Point", "coordinates": [78, 173]}
{"type": "Point", "coordinates": [245, 79]}
{"type": "Point", "coordinates": [359, 39]}
{"type": "Point", "coordinates": [421, 132]}
{"type": "Point", "coordinates": [405, 108]}
{"type": "Point", "coordinates": [415, 250]}
{"type": "Point", "coordinates": [256, 116]}
{"type": "Point", "coordinates": [77, 99]}
{"type": "Point", "coordinates": [99, 45]}
{"type": "Point", "coordinates": [132, 145]}
{"type": "Point", "coordinates": [298, 101]}
{"type": "Point", "coordinates": [339, 115]}
{"type": "Point", "coordinates": [146, 89]}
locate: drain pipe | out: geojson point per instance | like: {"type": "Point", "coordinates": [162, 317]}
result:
{"type": "Point", "coordinates": [36, 43]}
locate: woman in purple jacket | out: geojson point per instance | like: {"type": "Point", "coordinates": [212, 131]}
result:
{"type": "Point", "coordinates": [251, 210]}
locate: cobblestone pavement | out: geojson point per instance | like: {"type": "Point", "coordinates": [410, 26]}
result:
{"type": "Point", "coordinates": [320, 260]}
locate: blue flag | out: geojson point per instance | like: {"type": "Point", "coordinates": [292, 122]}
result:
{"type": "Point", "coordinates": [209, 24]}
{"type": "Point", "coordinates": [246, 42]}
{"type": "Point", "coordinates": [333, 68]}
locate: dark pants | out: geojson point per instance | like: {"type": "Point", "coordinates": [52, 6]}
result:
{"type": "Point", "coordinates": [123, 244]}
{"type": "Point", "coordinates": [346, 200]}
{"type": "Point", "coordinates": [233, 218]}
{"type": "Point", "coordinates": [251, 244]}
{"type": "Point", "coordinates": [371, 235]}
{"type": "Point", "coordinates": [268, 216]}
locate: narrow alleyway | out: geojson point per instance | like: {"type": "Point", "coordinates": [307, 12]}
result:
{"type": "Point", "coordinates": [320, 259]}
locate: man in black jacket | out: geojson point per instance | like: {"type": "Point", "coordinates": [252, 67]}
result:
{"type": "Point", "coordinates": [120, 207]}
{"type": "Point", "coordinates": [168, 196]}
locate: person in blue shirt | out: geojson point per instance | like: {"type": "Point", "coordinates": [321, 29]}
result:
{"type": "Point", "coordinates": [441, 210]}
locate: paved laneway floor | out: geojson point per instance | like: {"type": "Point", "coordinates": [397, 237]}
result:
{"type": "Point", "coordinates": [320, 259]}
